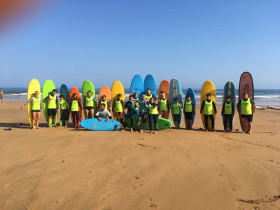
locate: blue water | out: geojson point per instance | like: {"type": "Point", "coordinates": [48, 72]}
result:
{"type": "Point", "coordinates": [262, 96]}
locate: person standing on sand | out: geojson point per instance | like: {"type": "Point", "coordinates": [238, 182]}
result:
{"type": "Point", "coordinates": [2, 96]}
{"type": "Point", "coordinates": [246, 107]}
{"type": "Point", "coordinates": [164, 106]}
{"type": "Point", "coordinates": [89, 105]}
{"type": "Point", "coordinates": [129, 110]}
{"type": "Point", "coordinates": [176, 112]}
{"type": "Point", "coordinates": [53, 104]}
{"type": "Point", "coordinates": [64, 110]}
{"type": "Point", "coordinates": [118, 107]}
{"type": "Point", "coordinates": [153, 114]}
{"type": "Point", "coordinates": [36, 109]}
{"type": "Point", "coordinates": [74, 107]}
{"type": "Point", "coordinates": [143, 113]}
{"type": "Point", "coordinates": [189, 110]}
{"type": "Point", "coordinates": [208, 107]}
{"type": "Point", "coordinates": [227, 113]}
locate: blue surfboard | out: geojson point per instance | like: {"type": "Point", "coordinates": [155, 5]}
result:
{"type": "Point", "coordinates": [150, 82]}
{"type": "Point", "coordinates": [95, 125]}
{"type": "Point", "coordinates": [137, 86]}
{"type": "Point", "coordinates": [175, 91]}
{"type": "Point", "coordinates": [65, 92]}
{"type": "Point", "coordinates": [229, 90]}
{"type": "Point", "coordinates": [192, 94]}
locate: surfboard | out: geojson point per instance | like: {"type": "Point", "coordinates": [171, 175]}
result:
{"type": "Point", "coordinates": [105, 90]}
{"type": "Point", "coordinates": [137, 86]}
{"type": "Point", "coordinates": [207, 87]}
{"type": "Point", "coordinates": [117, 88]}
{"type": "Point", "coordinates": [150, 82]}
{"type": "Point", "coordinates": [88, 86]}
{"type": "Point", "coordinates": [48, 87]}
{"type": "Point", "coordinates": [33, 86]}
{"type": "Point", "coordinates": [260, 108]}
{"type": "Point", "coordinates": [75, 90]}
{"type": "Point", "coordinates": [65, 92]}
{"type": "Point", "coordinates": [246, 85]}
{"type": "Point", "coordinates": [162, 124]}
{"type": "Point", "coordinates": [192, 94]}
{"type": "Point", "coordinates": [229, 90]}
{"type": "Point", "coordinates": [273, 107]}
{"type": "Point", "coordinates": [164, 88]}
{"type": "Point", "coordinates": [95, 125]}
{"type": "Point", "coordinates": [175, 91]}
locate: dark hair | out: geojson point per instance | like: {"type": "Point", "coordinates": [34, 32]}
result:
{"type": "Point", "coordinates": [130, 96]}
{"type": "Point", "coordinates": [188, 95]}
{"type": "Point", "coordinates": [175, 99]}
{"type": "Point", "coordinates": [61, 96]}
{"type": "Point", "coordinates": [148, 89]}
{"type": "Point", "coordinates": [54, 90]}
{"type": "Point", "coordinates": [34, 92]}
{"type": "Point", "coordinates": [228, 97]}
{"type": "Point", "coordinates": [74, 94]}
{"type": "Point", "coordinates": [104, 96]}
{"type": "Point", "coordinates": [208, 94]}
{"type": "Point", "coordinates": [89, 91]}
{"type": "Point", "coordinates": [102, 105]}
{"type": "Point", "coordinates": [119, 95]}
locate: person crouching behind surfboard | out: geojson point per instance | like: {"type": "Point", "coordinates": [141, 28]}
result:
{"type": "Point", "coordinates": [164, 106]}
{"type": "Point", "coordinates": [208, 107]}
{"type": "Point", "coordinates": [189, 110]}
{"type": "Point", "coordinates": [176, 112]}
{"type": "Point", "coordinates": [36, 109]}
{"type": "Point", "coordinates": [227, 112]}
{"type": "Point", "coordinates": [103, 113]}
{"type": "Point", "coordinates": [143, 113]}
{"type": "Point", "coordinates": [153, 114]}
{"type": "Point", "coordinates": [89, 105]}
{"type": "Point", "coordinates": [64, 110]}
{"type": "Point", "coordinates": [104, 101]}
{"type": "Point", "coordinates": [118, 107]}
{"type": "Point", "coordinates": [52, 100]}
{"type": "Point", "coordinates": [246, 107]}
{"type": "Point", "coordinates": [74, 107]}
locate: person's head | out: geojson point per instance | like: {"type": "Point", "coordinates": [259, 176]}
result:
{"type": "Point", "coordinates": [103, 98]}
{"type": "Point", "coordinates": [54, 91]}
{"type": "Point", "coordinates": [208, 96]}
{"type": "Point", "coordinates": [188, 97]}
{"type": "Point", "coordinates": [89, 93]}
{"type": "Point", "coordinates": [130, 98]}
{"type": "Point", "coordinates": [119, 96]}
{"type": "Point", "coordinates": [148, 91]}
{"type": "Point", "coordinates": [36, 93]}
{"type": "Point", "coordinates": [152, 100]}
{"type": "Point", "coordinates": [175, 100]}
{"type": "Point", "coordinates": [102, 107]}
{"type": "Point", "coordinates": [245, 95]}
{"type": "Point", "coordinates": [143, 97]}
{"type": "Point", "coordinates": [228, 98]}
{"type": "Point", "coordinates": [61, 97]}
{"type": "Point", "coordinates": [75, 96]}
{"type": "Point", "coordinates": [135, 95]}
{"type": "Point", "coordinates": [163, 95]}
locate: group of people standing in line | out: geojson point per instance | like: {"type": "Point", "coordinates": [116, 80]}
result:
{"type": "Point", "coordinates": [146, 107]}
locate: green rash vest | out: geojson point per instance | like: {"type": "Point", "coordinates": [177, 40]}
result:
{"type": "Point", "coordinates": [246, 107]}
{"type": "Point", "coordinates": [63, 104]}
{"type": "Point", "coordinates": [89, 102]}
{"type": "Point", "coordinates": [163, 104]}
{"type": "Point", "coordinates": [228, 108]}
{"type": "Point", "coordinates": [52, 103]}
{"type": "Point", "coordinates": [118, 105]}
{"type": "Point", "coordinates": [74, 106]}
{"type": "Point", "coordinates": [36, 103]}
{"type": "Point", "coordinates": [176, 108]}
{"type": "Point", "coordinates": [188, 106]}
{"type": "Point", "coordinates": [208, 108]}
{"type": "Point", "coordinates": [153, 109]}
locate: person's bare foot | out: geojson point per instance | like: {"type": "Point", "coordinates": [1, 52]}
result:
{"type": "Point", "coordinates": [150, 132]}
{"type": "Point", "coordinates": [131, 129]}
{"type": "Point", "coordinates": [37, 127]}
{"type": "Point", "coordinates": [155, 132]}
{"type": "Point", "coordinates": [141, 131]}
{"type": "Point", "coordinates": [65, 126]}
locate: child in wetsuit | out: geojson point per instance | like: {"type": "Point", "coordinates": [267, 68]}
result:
{"type": "Point", "coordinates": [74, 107]}
{"type": "Point", "coordinates": [208, 107]}
{"type": "Point", "coordinates": [176, 112]}
{"type": "Point", "coordinates": [189, 111]}
{"type": "Point", "coordinates": [64, 111]}
{"type": "Point", "coordinates": [228, 113]}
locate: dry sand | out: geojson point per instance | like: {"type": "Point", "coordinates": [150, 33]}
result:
{"type": "Point", "coordinates": [61, 168]}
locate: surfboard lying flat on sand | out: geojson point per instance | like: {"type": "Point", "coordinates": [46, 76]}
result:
{"type": "Point", "coordinates": [33, 86]}
{"type": "Point", "coordinates": [75, 90]}
{"type": "Point", "coordinates": [65, 92]}
{"type": "Point", "coordinates": [48, 87]}
{"type": "Point", "coordinates": [207, 87]}
{"type": "Point", "coordinates": [246, 85]}
{"type": "Point", "coordinates": [175, 91]}
{"type": "Point", "coordinates": [192, 94]}
{"type": "Point", "coordinates": [260, 108]}
{"type": "Point", "coordinates": [273, 107]}
{"type": "Point", "coordinates": [117, 88]}
{"type": "Point", "coordinates": [164, 88]}
{"type": "Point", "coordinates": [88, 86]}
{"type": "Point", "coordinates": [229, 90]}
{"type": "Point", "coordinates": [162, 124]}
{"type": "Point", "coordinates": [95, 125]}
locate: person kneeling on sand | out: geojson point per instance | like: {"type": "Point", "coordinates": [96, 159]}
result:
{"type": "Point", "coordinates": [36, 109]}
{"type": "Point", "coordinates": [103, 113]}
{"type": "Point", "coordinates": [246, 107]}
{"type": "Point", "coordinates": [208, 107]}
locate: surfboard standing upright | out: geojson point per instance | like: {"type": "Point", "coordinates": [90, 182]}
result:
{"type": "Point", "coordinates": [137, 86]}
{"type": "Point", "coordinates": [48, 87]}
{"type": "Point", "coordinates": [229, 90]}
{"type": "Point", "coordinates": [207, 87]}
{"type": "Point", "coordinates": [192, 94]}
{"type": "Point", "coordinates": [150, 82]}
{"type": "Point", "coordinates": [88, 86]}
{"type": "Point", "coordinates": [246, 85]}
{"type": "Point", "coordinates": [33, 86]}
{"type": "Point", "coordinates": [176, 92]}
{"type": "Point", "coordinates": [65, 92]}
{"type": "Point", "coordinates": [117, 88]}
{"type": "Point", "coordinates": [164, 87]}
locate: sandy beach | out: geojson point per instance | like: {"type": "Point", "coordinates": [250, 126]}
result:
{"type": "Point", "coordinates": [64, 168]}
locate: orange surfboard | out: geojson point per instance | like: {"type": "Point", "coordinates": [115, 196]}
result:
{"type": "Point", "coordinates": [75, 90]}
{"type": "Point", "coordinates": [164, 87]}
{"type": "Point", "coordinates": [105, 90]}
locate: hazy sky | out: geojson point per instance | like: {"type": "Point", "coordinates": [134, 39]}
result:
{"type": "Point", "coordinates": [108, 40]}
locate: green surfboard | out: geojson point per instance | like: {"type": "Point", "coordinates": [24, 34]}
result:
{"type": "Point", "coordinates": [88, 86]}
{"type": "Point", "coordinates": [162, 124]}
{"type": "Point", "coordinates": [46, 90]}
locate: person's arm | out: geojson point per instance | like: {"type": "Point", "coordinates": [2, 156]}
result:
{"type": "Point", "coordinates": [223, 109]}
{"type": "Point", "coordinates": [253, 106]}
{"type": "Point", "coordinates": [214, 105]}
{"type": "Point", "coordinates": [80, 104]}
{"type": "Point", "coordinates": [57, 104]}
{"type": "Point", "coordinates": [70, 104]}
{"type": "Point", "coordinates": [31, 99]}
{"type": "Point", "coordinates": [239, 106]}
{"type": "Point", "coordinates": [168, 105]}
{"type": "Point", "coordinates": [47, 98]}
{"type": "Point", "coordinates": [202, 106]}
{"type": "Point", "coordinates": [193, 107]}
{"type": "Point", "coordinates": [232, 108]}
{"type": "Point", "coordinates": [113, 105]}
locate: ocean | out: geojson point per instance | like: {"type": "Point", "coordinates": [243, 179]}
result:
{"type": "Point", "coordinates": [262, 96]}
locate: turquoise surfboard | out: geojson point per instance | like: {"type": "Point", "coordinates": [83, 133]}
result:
{"type": "Point", "coordinates": [95, 125]}
{"type": "Point", "coordinates": [229, 90]}
{"type": "Point", "coordinates": [175, 91]}
{"type": "Point", "coordinates": [137, 86]}
{"type": "Point", "coordinates": [192, 94]}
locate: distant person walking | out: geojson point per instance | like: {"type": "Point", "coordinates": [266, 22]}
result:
{"type": "Point", "coordinates": [2, 96]}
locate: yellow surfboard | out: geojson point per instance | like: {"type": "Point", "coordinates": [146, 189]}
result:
{"type": "Point", "coordinates": [33, 86]}
{"type": "Point", "coordinates": [117, 88]}
{"type": "Point", "coordinates": [207, 87]}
